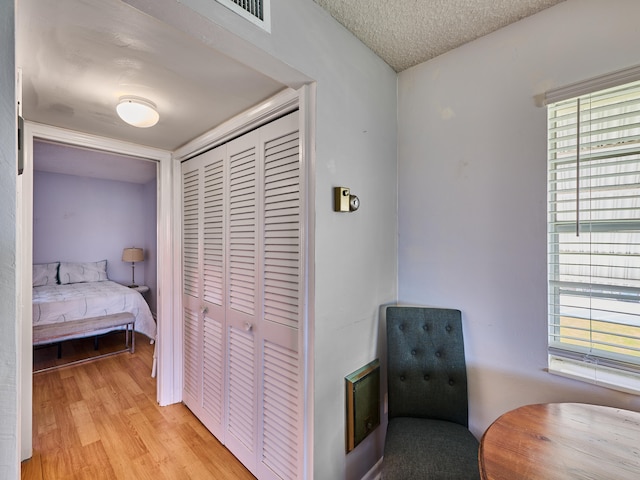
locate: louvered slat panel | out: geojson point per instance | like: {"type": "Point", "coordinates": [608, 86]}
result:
{"type": "Point", "coordinates": [254, 7]}
{"type": "Point", "coordinates": [190, 226]}
{"type": "Point", "coordinates": [191, 364]}
{"type": "Point", "coordinates": [241, 385]}
{"type": "Point", "coordinates": [213, 244]}
{"type": "Point", "coordinates": [280, 450]}
{"type": "Point", "coordinates": [256, 11]}
{"type": "Point", "coordinates": [242, 233]}
{"type": "Point", "coordinates": [213, 362]}
{"type": "Point", "coordinates": [282, 230]}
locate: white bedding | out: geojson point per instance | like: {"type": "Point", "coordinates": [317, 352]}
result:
{"type": "Point", "coordinates": [62, 303]}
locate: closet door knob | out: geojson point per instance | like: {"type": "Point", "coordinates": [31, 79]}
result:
{"type": "Point", "coordinates": [205, 310]}
{"type": "Point", "coordinates": [248, 327]}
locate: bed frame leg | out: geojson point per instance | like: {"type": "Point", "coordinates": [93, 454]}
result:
{"type": "Point", "coordinates": [95, 342]}
{"type": "Point", "coordinates": [59, 349]}
{"type": "Point", "coordinates": [133, 339]}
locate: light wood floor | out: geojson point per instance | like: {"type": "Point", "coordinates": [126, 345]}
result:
{"type": "Point", "coordinates": [100, 420]}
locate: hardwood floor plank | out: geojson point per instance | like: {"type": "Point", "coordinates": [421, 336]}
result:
{"type": "Point", "coordinates": [47, 421]}
{"type": "Point", "coordinates": [100, 420]}
{"type": "Point", "coordinates": [99, 468]}
{"type": "Point", "coordinates": [71, 390]}
{"type": "Point", "coordinates": [32, 468]}
{"type": "Point", "coordinates": [213, 453]}
{"type": "Point", "coordinates": [84, 424]}
{"type": "Point", "coordinates": [62, 463]}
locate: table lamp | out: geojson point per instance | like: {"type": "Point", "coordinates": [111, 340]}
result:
{"type": "Point", "coordinates": [132, 255]}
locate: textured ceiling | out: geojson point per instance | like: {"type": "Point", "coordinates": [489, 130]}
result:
{"type": "Point", "coordinates": [405, 33]}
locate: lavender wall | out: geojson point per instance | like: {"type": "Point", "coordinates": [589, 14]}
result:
{"type": "Point", "coordinates": [472, 192]}
{"type": "Point", "coordinates": [81, 219]}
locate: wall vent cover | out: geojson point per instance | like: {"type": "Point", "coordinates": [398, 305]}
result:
{"type": "Point", "coordinates": [256, 11]}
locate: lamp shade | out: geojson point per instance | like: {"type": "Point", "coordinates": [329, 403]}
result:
{"type": "Point", "coordinates": [132, 255]}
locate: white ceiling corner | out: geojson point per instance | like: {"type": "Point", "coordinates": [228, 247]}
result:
{"type": "Point", "coordinates": [405, 33]}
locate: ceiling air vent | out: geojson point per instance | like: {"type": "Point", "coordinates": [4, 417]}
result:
{"type": "Point", "coordinates": [256, 11]}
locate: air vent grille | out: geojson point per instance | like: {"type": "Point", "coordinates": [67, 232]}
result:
{"type": "Point", "coordinates": [256, 11]}
{"type": "Point", "coordinates": [254, 7]}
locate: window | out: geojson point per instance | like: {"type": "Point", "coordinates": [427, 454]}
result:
{"type": "Point", "coordinates": [594, 236]}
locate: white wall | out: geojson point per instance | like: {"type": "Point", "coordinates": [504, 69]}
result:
{"type": "Point", "coordinates": [472, 191]}
{"type": "Point", "coordinates": [82, 219]}
{"type": "Point", "coordinates": [9, 414]}
{"type": "Point", "coordinates": [355, 254]}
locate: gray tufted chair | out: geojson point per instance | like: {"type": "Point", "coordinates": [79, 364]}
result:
{"type": "Point", "coordinates": [427, 435]}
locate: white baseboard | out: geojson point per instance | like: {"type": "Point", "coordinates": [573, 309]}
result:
{"type": "Point", "coordinates": [375, 472]}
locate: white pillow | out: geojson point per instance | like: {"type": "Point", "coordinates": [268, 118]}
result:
{"type": "Point", "coordinates": [45, 274]}
{"type": "Point", "coordinates": [83, 272]}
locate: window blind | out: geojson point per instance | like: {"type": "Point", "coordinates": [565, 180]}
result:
{"type": "Point", "coordinates": [594, 230]}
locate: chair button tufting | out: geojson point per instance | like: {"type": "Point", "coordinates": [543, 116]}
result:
{"type": "Point", "coordinates": [448, 328]}
{"type": "Point", "coordinates": [425, 328]}
{"type": "Point", "coordinates": [426, 377]}
{"type": "Point", "coordinates": [413, 352]}
{"type": "Point", "coordinates": [451, 382]}
{"type": "Point", "coordinates": [438, 354]}
{"type": "Point", "coordinates": [401, 327]}
{"type": "Point", "coordinates": [402, 378]}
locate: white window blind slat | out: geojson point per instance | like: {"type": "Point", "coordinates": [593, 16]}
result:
{"type": "Point", "coordinates": [594, 228]}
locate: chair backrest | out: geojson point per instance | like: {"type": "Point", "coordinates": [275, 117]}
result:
{"type": "Point", "coordinates": [426, 369]}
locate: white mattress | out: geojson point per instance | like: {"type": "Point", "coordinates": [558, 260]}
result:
{"type": "Point", "coordinates": [63, 303]}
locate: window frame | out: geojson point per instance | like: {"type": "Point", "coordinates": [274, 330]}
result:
{"type": "Point", "coordinates": [584, 363]}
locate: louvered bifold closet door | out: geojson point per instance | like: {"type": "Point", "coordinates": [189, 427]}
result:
{"type": "Point", "coordinates": [242, 302]}
{"type": "Point", "coordinates": [213, 287]}
{"type": "Point", "coordinates": [281, 412]}
{"type": "Point", "coordinates": [205, 343]}
{"type": "Point", "coordinates": [192, 283]}
{"type": "Point", "coordinates": [243, 296]}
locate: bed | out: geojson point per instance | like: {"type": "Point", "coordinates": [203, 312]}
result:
{"type": "Point", "coordinates": [64, 292]}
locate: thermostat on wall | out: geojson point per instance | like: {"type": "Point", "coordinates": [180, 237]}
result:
{"type": "Point", "coordinates": [343, 201]}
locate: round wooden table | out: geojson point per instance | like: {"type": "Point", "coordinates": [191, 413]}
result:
{"type": "Point", "coordinates": [554, 441]}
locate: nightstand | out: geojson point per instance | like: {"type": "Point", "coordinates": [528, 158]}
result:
{"type": "Point", "coordinates": [141, 288]}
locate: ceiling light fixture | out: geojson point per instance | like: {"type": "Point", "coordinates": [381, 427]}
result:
{"type": "Point", "coordinates": [137, 112]}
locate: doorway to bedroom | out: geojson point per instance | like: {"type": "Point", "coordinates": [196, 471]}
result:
{"type": "Point", "coordinates": [89, 208]}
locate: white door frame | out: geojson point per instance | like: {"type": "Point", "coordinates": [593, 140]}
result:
{"type": "Point", "coordinates": [165, 384]}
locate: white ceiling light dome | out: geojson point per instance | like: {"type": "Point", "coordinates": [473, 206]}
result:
{"type": "Point", "coordinates": [137, 111]}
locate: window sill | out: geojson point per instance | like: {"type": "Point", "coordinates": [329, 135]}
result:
{"type": "Point", "coordinates": [607, 377]}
